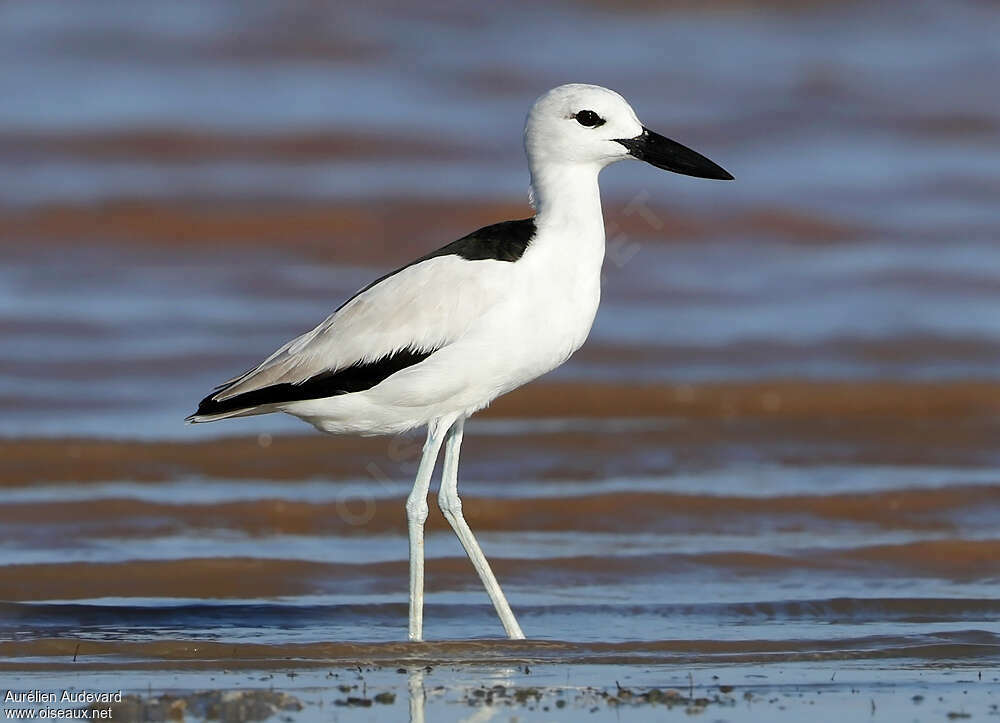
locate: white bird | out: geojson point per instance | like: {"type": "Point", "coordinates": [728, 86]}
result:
{"type": "Point", "coordinates": [440, 338]}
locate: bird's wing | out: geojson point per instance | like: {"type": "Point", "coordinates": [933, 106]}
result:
{"type": "Point", "coordinates": [394, 322]}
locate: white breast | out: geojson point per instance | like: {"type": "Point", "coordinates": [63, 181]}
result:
{"type": "Point", "coordinates": [545, 316]}
{"type": "Point", "coordinates": [558, 300]}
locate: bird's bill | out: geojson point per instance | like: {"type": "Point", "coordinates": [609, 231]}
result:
{"type": "Point", "coordinates": [672, 156]}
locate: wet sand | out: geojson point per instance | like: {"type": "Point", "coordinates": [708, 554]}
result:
{"type": "Point", "coordinates": [387, 232]}
{"type": "Point", "coordinates": [169, 145]}
{"type": "Point", "coordinates": [929, 510]}
{"type": "Point", "coordinates": [420, 690]}
{"type": "Point", "coordinates": [202, 655]}
{"type": "Point", "coordinates": [221, 578]}
{"type": "Point", "coordinates": [887, 422]}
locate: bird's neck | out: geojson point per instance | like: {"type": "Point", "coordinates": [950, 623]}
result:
{"type": "Point", "coordinates": [568, 199]}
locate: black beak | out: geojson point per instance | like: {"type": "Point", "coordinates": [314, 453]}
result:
{"type": "Point", "coordinates": [672, 156]}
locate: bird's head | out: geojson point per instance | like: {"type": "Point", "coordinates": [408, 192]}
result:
{"type": "Point", "coordinates": [588, 124]}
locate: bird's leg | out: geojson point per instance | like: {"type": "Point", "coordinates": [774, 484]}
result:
{"type": "Point", "coordinates": [416, 515]}
{"type": "Point", "coordinates": [451, 506]}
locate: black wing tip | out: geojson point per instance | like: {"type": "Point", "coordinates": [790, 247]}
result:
{"type": "Point", "coordinates": [356, 378]}
{"type": "Point", "coordinates": [211, 407]}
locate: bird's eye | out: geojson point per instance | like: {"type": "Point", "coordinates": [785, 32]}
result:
{"type": "Point", "coordinates": [588, 118]}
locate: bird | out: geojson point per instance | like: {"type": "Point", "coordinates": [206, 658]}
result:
{"type": "Point", "coordinates": [441, 337]}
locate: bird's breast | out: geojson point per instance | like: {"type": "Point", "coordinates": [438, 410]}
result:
{"type": "Point", "coordinates": [548, 313]}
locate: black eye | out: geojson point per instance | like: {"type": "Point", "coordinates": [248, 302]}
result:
{"type": "Point", "coordinates": [588, 118]}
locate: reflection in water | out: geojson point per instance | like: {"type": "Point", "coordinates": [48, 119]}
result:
{"type": "Point", "coordinates": [418, 699]}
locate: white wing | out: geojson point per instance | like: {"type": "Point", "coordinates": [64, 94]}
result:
{"type": "Point", "coordinates": [422, 307]}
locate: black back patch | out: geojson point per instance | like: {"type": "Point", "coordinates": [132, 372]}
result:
{"type": "Point", "coordinates": [355, 378]}
{"type": "Point", "coordinates": [505, 241]}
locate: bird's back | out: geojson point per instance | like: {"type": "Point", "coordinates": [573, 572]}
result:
{"type": "Point", "coordinates": [452, 330]}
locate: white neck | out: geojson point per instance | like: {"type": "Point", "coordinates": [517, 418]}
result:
{"type": "Point", "coordinates": [568, 197]}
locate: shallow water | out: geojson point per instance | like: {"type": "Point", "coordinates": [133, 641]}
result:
{"type": "Point", "coordinates": [707, 548]}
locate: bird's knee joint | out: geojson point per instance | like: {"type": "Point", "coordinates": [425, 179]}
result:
{"type": "Point", "coordinates": [450, 505]}
{"type": "Point", "coordinates": [416, 511]}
